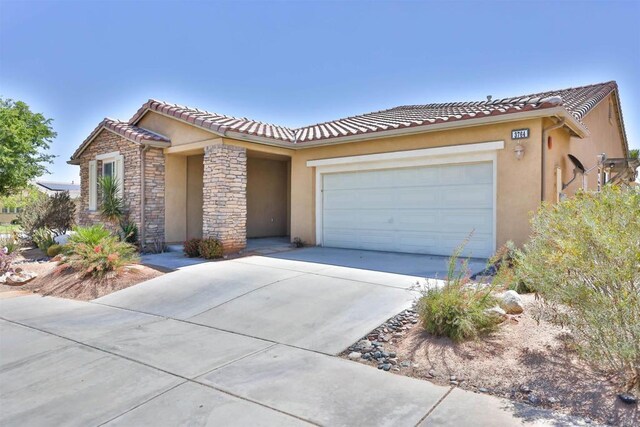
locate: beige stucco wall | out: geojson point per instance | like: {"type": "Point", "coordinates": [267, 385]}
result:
{"type": "Point", "coordinates": [179, 132]}
{"type": "Point", "coordinates": [605, 136]}
{"type": "Point", "coordinates": [518, 181]}
{"type": "Point", "coordinates": [195, 170]}
{"type": "Point", "coordinates": [267, 199]}
{"type": "Point", "coordinates": [176, 198]}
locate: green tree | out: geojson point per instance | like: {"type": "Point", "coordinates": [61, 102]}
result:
{"type": "Point", "coordinates": [20, 199]}
{"type": "Point", "coordinates": [24, 138]}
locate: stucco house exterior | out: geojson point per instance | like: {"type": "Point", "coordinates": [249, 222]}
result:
{"type": "Point", "coordinates": [416, 178]}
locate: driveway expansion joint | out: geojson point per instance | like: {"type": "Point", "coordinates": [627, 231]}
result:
{"type": "Point", "coordinates": [186, 379]}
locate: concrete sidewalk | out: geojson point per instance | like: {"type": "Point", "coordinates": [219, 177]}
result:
{"type": "Point", "coordinates": [248, 341]}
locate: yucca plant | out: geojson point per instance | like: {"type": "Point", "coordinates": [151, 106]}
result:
{"type": "Point", "coordinates": [112, 206]}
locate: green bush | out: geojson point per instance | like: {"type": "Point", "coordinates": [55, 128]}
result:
{"type": "Point", "coordinates": [128, 231]}
{"type": "Point", "coordinates": [192, 248]}
{"type": "Point", "coordinates": [34, 215]}
{"type": "Point", "coordinates": [55, 212]}
{"type": "Point", "coordinates": [109, 255]}
{"type": "Point", "coordinates": [505, 277]}
{"type": "Point", "coordinates": [457, 309]}
{"type": "Point", "coordinates": [91, 235]}
{"type": "Point", "coordinates": [43, 238]}
{"type": "Point", "coordinates": [54, 250]}
{"type": "Point", "coordinates": [211, 248]}
{"type": "Point", "coordinates": [584, 261]}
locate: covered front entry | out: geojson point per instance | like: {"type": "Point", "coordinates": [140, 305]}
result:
{"type": "Point", "coordinates": [425, 202]}
{"type": "Point", "coordinates": [268, 190]}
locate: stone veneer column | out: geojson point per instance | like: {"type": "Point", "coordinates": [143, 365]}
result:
{"type": "Point", "coordinates": [224, 210]}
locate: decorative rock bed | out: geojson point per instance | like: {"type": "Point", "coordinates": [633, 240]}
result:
{"type": "Point", "coordinates": [371, 347]}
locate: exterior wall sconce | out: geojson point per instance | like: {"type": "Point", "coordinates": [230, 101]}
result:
{"type": "Point", "coordinates": [519, 151]}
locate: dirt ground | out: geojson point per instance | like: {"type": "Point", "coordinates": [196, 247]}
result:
{"type": "Point", "coordinates": [54, 281]}
{"type": "Point", "coordinates": [523, 361]}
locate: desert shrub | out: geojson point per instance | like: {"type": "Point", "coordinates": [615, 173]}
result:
{"type": "Point", "coordinates": [112, 204]}
{"type": "Point", "coordinates": [55, 212]}
{"type": "Point", "coordinates": [61, 213]}
{"type": "Point", "coordinates": [34, 215]}
{"type": "Point", "coordinates": [128, 231]}
{"type": "Point", "coordinates": [584, 261]}
{"type": "Point", "coordinates": [457, 308]}
{"type": "Point", "coordinates": [54, 250]}
{"type": "Point", "coordinates": [211, 248]}
{"type": "Point", "coordinates": [192, 248]}
{"type": "Point", "coordinates": [505, 275]}
{"type": "Point", "coordinates": [43, 238]}
{"type": "Point", "coordinates": [92, 235]}
{"type": "Point", "coordinates": [98, 260]}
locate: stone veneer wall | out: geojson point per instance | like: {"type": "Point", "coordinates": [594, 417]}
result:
{"type": "Point", "coordinates": [107, 142]}
{"type": "Point", "coordinates": [225, 196]}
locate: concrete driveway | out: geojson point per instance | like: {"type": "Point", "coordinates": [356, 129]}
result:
{"type": "Point", "coordinates": [240, 342]}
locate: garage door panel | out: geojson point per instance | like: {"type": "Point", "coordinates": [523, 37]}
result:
{"type": "Point", "coordinates": [430, 209]}
{"type": "Point", "coordinates": [466, 174]}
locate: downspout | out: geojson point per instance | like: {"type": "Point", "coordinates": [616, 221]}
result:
{"type": "Point", "coordinates": [143, 149]}
{"type": "Point", "coordinates": [545, 134]}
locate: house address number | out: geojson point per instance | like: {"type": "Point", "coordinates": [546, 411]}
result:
{"type": "Point", "coordinates": [520, 134]}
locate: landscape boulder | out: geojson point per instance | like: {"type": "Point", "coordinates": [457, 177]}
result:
{"type": "Point", "coordinates": [511, 302]}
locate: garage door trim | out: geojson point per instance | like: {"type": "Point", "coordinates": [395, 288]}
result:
{"type": "Point", "coordinates": [456, 154]}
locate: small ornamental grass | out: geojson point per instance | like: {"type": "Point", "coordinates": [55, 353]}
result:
{"type": "Point", "coordinates": [93, 253]}
{"type": "Point", "coordinates": [457, 308]}
{"type": "Point", "coordinates": [583, 259]}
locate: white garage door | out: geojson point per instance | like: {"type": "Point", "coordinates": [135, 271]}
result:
{"type": "Point", "coordinates": [428, 209]}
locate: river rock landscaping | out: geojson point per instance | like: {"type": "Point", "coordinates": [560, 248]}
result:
{"type": "Point", "coordinates": [523, 360]}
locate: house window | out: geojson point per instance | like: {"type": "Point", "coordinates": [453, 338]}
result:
{"type": "Point", "coordinates": [5, 210]}
{"type": "Point", "coordinates": [108, 168]}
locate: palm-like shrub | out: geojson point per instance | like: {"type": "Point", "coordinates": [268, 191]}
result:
{"type": "Point", "coordinates": [91, 253]}
{"type": "Point", "coordinates": [457, 309]}
{"type": "Point", "coordinates": [112, 206]}
{"type": "Point", "coordinates": [584, 260]}
{"type": "Point", "coordinates": [91, 235]}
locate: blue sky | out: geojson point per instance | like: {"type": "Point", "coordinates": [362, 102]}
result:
{"type": "Point", "coordinates": [296, 63]}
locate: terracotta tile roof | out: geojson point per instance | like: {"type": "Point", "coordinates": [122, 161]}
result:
{"type": "Point", "coordinates": [216, 122]}
{"type": "Point", "coordinates": [124, 129]}
{"type": "Point", "coordinates": [577, 101]}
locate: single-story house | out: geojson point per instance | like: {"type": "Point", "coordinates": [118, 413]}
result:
{"type": "Point", "coordinates": [50, 188]}
{"type": "Point", "coordinates": [414, 178]}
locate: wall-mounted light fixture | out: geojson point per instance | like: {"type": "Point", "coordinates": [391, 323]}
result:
{"type": "Point", "coordinates": [519, 151]}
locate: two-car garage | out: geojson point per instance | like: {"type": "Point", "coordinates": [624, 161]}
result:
{"type": "Point", "coordinates": [421, 201]}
